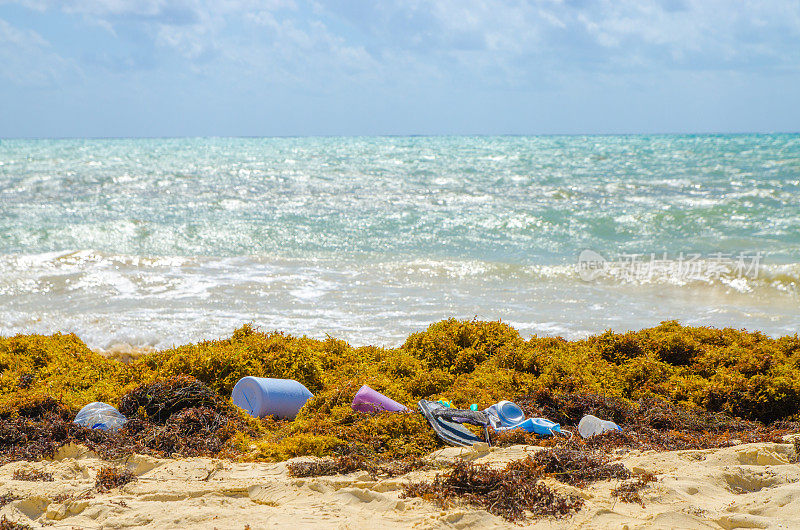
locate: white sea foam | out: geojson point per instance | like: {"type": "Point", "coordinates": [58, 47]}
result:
{"type": "Point", "coordinates": [155, 302]}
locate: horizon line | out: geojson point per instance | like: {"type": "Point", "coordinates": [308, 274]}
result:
{"type": "Point", "coordinates": [410, 135]}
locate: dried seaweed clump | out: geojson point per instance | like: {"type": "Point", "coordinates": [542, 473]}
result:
{"type": "Point", "coordinates": [332, 466]}
{"type": "Point", "coordinates": [349, 463]}
{"type": "Point", "coordinates": [196, 431]}
{"type": "Point", "coordinates": [7, 498]}
{"type": "Point", "coordinates": [648, 412]}
{"type": "Point", "coordinates": [179, 415]}
{"type": "Point", "coordinates": [568, 408]}
{"type": "Point", "coordinates": [159, 400]}
{"type": "Point", "coordinates": [573, 466]}
{"type": "Point", "coordinates": [509, 493]}
{"type": "Point", "coordinates": [111, 477]}
{"type": "Point", "coordinates": [5, 524]}
{"type": "Point", "coordinates": [32, 476]}
{"type": "Point", "coordinates": [630, 491]}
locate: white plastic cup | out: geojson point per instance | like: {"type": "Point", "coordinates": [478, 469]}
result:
{"type": "Point", "coordinates": [592, 425]}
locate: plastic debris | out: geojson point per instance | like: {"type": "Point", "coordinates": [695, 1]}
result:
{"type": "Point", "coordinates": [264, 396]}
{"type": "Point", "coordinates": [505, 414]}
{"type": "Point", "coordinates": [370, 400]}
{"type": "Point", "coordinates": [540, 426]}
{"type": "Point", "coordinates": [592, 425]}
{"type": "Point", "coordinates": [98, 415]}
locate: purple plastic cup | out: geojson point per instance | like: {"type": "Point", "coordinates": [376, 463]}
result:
{"type": "Point", "coordinates": [369, 400]}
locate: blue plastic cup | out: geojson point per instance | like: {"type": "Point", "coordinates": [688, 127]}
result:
{"type": "Point", "coordinates": [264, 396]}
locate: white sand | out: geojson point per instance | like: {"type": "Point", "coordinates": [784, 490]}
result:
{"type": "Point", "coordinates": [747, 486]}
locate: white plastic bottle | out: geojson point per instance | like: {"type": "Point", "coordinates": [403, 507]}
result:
{"type": "Point", "coordinates": [592, 425]}
{"type": "Point", "coordinates": [99, 415]}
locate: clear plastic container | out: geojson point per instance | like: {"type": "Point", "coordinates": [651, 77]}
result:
{"type": "Point", "coordinates": [99, 415]}
{"type": "Point", "coordinates": [592, 425]}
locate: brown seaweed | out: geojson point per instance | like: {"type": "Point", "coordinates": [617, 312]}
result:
{"type": "Point", "coordinates": [6, 524]}
{"type": "Point", "coordinates": [509, 493]}
{"type": "Point", "coordinates": [630, 491]}
{"type": "Point", "coordinates": [111, 477]}
{"type": "Point", "coordinates": [32, 476]}
{"type": "Point", "coordinates": [349, 463]}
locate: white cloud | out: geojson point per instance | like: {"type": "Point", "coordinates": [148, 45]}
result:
{"type": "Point", "coordinates": [513, 43]}
{"type": "Point", "coordinates": [669, 33]}
{"type": "Point", "coordinates": [27, 59]}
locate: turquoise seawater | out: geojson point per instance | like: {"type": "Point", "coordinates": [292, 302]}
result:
{"type": "Point", "coordinates": [150, 242]}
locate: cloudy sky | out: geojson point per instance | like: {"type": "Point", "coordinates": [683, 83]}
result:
{"type": "Point", "coordinates": [352, 67]}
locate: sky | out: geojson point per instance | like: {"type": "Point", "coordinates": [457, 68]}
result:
{"type": "Point", "coordinates": [97, 68]}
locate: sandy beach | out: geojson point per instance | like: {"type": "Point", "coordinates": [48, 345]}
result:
{"type": "Point", "coordinates": [745, 486]}
{"type": "Point", "coordinates": [324, 264]}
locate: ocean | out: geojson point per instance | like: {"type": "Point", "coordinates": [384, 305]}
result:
{"type": "Point", "coordinates": [154, 242]}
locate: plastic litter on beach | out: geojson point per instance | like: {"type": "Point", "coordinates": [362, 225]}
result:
{"type": "Point", "coordinates": [540, 426]}
{"type": "Point", "coordinates": [446, 423]}
{"type": "Point", "coordinates": [502, 416]}
{"type": "Point", "coordinates": [263, 396]}
{"type": "Point", "coordinates": [98, 415]}
{"type": "Point", "coordinates": [507, 415]}
{"type": "Point", "coordinates": [592, 425]}
{"type": "Point", "coordinates": [370, 400]}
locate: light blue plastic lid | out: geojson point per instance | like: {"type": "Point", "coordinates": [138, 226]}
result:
{"type": "Point", "coordinates": [509, 413]}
